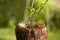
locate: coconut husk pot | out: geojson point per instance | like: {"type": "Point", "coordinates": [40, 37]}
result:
{"type": "Point", "coordinates": [38, 32]}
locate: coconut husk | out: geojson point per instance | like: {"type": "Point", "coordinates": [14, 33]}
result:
{"type": "Point", "coordinates": [36, 33]}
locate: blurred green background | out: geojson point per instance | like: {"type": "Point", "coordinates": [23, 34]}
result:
{"type": "Point", "coordinates": [13, 11]}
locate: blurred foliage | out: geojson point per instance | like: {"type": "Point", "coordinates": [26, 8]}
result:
{"type": "Point", "coordinates": [11, 9]}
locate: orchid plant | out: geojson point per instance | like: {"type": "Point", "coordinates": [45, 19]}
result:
{"type": "Point", "coordinates": [33, 11]}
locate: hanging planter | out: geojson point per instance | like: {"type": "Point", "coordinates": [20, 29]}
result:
{"type": "Point", "coordinates": [29, 30]}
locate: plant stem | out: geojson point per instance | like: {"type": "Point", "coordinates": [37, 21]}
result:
{"type": "Point", "coordinates": [31, 6]}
